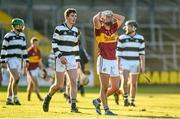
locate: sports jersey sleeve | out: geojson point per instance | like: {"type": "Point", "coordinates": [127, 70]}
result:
{"type": "Point", "coordinates": [55, 41]}
{"type": "Point", "coordinates": [4, 50]}
{"type": "Point", "coordinates": [76, 50]}
{"type": "Point", "coordinates": [24, 51]}
{"type": "Point", "coordinates": [142, 47]}
{"type": "Point", "coordinates": [119, 47]}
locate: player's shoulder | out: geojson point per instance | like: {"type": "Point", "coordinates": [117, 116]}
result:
{"type": "Point", "coordinates": [9, 34]}
{"type": "Point", "coordinates": [22, 34]}
{"type": "Point", "coordinates": [123, 36]}
{"type": "Point", "coordinates": [76, 29]}
{"type": "Point", "coordinates": [139, 36]}
{"type": "Point", "coordinates": [60, 27]}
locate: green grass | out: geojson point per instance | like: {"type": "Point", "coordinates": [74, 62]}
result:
{"type": "Point", "coordinates": [151, 101]}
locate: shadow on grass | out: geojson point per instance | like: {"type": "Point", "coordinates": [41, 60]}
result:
{"type": "Point", "coordinates": [152, 117]}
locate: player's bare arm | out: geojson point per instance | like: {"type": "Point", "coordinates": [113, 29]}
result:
{"type": "Point", "coordinates": [142, 63]}
{"type": "Point", "coordinates": [119, 19]}
{"type": "Point", "coordinates": [97, 20]}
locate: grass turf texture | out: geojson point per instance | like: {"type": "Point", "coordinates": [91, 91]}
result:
{"type": "Point", "coordinates": [151, 102]}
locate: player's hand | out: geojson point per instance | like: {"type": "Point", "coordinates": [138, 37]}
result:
{"type": "Point", "coordinates": [63, 60]}
{"type": "Point", "coordinates": [26, 64]}
{"type": "Point", "coordinates": [4, 65]}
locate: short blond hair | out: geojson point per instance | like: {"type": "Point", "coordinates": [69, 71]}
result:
{"type": "Point", "coordinates": [34, 39]}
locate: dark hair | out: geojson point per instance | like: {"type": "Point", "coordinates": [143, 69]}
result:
{"type": "Point", "coordinates": [132, 23]}
{"type": "Point", "coordinates": [69, 11]}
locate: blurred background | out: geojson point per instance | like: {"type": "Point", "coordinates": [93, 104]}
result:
{"type": "Point", "coordinates": [159, 22]}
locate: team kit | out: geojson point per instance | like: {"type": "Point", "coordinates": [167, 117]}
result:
{"type": "Point", "coordinates": [119, 62]}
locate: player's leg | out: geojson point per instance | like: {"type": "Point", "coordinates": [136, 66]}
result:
{"type": "Point", "coordinates": [115, 77]}
{"type": "Point", "coordinates": [59, 82]}
{"type": "Point", "coordinates": [15, 76]}
{"type": "Point", "coordinates": [119, 91]}
{"type": "Point", "coordinates": [104, 82]}
{"type": "Point", "coordinates": [114, 86]}
{"type": "Point", "coordinates": [36, 87]}
{"type": "Point", "coordinates": [133, 88]}
{"type": "Point", "coordinates": [9, 92]}
{"type": "Point", "coordinates": [124, 86]}
{"type": "Point", "coordinates": [81, 83]}
{"type": "Point", "coordinates": [29, 88]}
{"type": "Point", "coordinates": [67, 92]}
{"type": "Point", "coordinates": [34, 75]}
{"type": "Point", "coordinates": [133, 80]}
{"type": "Point", "coordinates": [73, 88]}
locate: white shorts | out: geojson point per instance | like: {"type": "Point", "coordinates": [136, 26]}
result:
{"type": "Point", "coordinates": [35, 72]}
{"type": "Point", "coordinates": [131, 66]}
{"type": "Point", "coordinates": [71, 64]}
{"type": "Point", "coordinates": [14, 63]}
{"type": "Point", "coordinates": [107, 66]}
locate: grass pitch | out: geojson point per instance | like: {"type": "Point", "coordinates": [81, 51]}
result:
{"type": "Point", "coordinates": [151, 101]}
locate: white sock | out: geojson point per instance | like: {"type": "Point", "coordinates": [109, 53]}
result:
{"type": "Point", "coordinates": [15, 98]}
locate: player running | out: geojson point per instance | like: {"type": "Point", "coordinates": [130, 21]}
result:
{"type": "Point", "coordinates": [66, 50]}
{"type": "Point", "coordinates": [106, 24]}
{"type": "Point", "coordinates": [12, 52]}
{"type": "Point", "coordinates": [33, 71]}
{"type": "Point", "coordinates": [131, 57]}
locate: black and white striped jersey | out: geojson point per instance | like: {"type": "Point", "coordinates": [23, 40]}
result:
{"type": "Point", "coordinates": [65, 41]}
{"type": "Point", "coordinates": [14, 46]}
{"type": "Point", "coordinates": [130, 48]}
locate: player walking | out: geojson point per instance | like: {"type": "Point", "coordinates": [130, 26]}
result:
{"type": "Point", "coordinates": [12, 52]}
{"type": "Point", "coordinates": [131, 57]}
{"type": "Point", "coordinates": [106, 24]}
{"type": "Point", "coordinates": [66, 49]}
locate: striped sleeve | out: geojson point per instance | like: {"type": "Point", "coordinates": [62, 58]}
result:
{"type": "Point", "coordinates": [55, 48]}
{"type": "Point", "coordinates": [24, 51]}
{"type": "Point", "coordinates": [77, 54]}
{"type": "Point", "coordinates": [119, 48]}
{"type": "Point", "coordinates": [4, 50]}
{"type": "Point", "coordinates": [77, 49]}
{"type": "Point", "coordinates": [142, 47]}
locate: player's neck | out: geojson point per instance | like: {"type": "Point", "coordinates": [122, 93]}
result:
{"type": "Point", "coordinates": [107, 27]}
{"type": "Point", "coordinates": [34, 47]}
{"type": "Point", "coordinates": [69, 25]}
{"type": "Point", "coordinates": [132, 34]}
{"type": "Point", "coordinates": [16, 32]}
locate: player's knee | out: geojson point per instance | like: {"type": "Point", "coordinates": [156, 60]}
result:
{"type": "Point", "coordinates": [104, 89]}
{"type": "Point", "coordinates": [59, 87]}
{"type": "Point", "coordinates": [74, 82]}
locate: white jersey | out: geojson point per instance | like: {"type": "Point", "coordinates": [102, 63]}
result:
{"type": "Point", "coordinates": [65, 41]}
{"type": "Point", "coordinates": [130, 48]}
{"type": "Point", "coordinates": [14, 46]}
